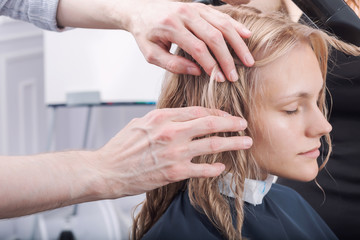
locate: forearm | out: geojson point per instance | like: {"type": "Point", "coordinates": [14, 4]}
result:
{"type": "Point", "coordinates": [30, 184]}
{"type": "Point", "coordinates": [101, 14]}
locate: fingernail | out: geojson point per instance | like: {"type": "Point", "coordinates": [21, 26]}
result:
{"type": "Point", "coordinates": [220, 77]}
{"type": "Point", "coordinates": [247, 142]}
{"type": "Point", "coordinates": [249, 59]}
{"type": "Point", "coordinates": [221, 167]}
{"type": "Point", "coordinates": [243, 123]}
{"type": "Point", "coordinates": [193, 71]}
{"type": "Point", "coordinates": [234, 76]}
{"type": "Point", "coordinates": [246, 31]}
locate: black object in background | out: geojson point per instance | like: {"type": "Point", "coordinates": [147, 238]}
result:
{"type": "Point", "coordinates": [333, 15]}
{"type": "Point", "coordinates": [67, 235]}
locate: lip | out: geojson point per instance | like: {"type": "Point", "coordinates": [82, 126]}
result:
{"type": "Point", "coordinates": [313, 153]}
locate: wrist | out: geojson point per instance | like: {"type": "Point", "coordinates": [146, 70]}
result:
{"type": "Point", "coordinates": [107, 181]}
{"type": "Point", "coordinates": [121, 14]}
{"type": "Point", "coordinates": [84, 178]}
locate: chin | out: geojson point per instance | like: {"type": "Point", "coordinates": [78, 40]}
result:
{"type": "Point", "coordinates": [310, 177]}
{"type": "Point", "coordinates": [307, 172]}
{"type": "Point", "coordinates": [304, 175]}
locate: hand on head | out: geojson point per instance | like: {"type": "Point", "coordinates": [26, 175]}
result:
{"type": "Point", "coordinates": [157, 149]}
{"type": "Point", "coordinates": [194, 27]}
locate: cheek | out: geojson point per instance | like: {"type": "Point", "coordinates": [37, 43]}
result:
{"type": "Point", "coordinates": [274, 137]}
{"type": "Point", "coordinates": [278, 128]}
{"type": "Point", "coordinates": [272, 130]}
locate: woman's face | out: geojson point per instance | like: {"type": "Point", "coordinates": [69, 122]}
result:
{"type": "Point", "coordinates": [289, 123]}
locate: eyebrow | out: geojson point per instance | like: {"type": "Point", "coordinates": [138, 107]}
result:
{"type": "Point", "coordinates": [294, 97]}
{"type": "Point", "coordinates": [298, 95]}
{"type": "Point", "coordinates": [301, 94]}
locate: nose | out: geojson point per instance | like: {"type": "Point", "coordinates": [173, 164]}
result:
{"type": "Point", "coordinates": [318, 125]}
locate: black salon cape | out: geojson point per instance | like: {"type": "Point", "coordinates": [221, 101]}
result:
{"type": "Point", "coordinates": [284, 214]}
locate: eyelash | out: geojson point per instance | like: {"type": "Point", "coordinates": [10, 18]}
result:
{"type": "Point", "coordinates": [291, 112]}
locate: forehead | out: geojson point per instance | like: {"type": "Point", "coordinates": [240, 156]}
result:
{"type": "Point", "coordinates": [296, 71]}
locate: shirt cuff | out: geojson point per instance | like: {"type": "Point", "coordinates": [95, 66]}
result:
{"type": "Point", "coordinates": [43, 14]}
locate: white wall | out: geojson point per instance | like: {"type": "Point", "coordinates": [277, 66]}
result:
{"type": "Point", "coordinates": [108, 61]}
{"type": "Point", "coordinates": [21, 89]}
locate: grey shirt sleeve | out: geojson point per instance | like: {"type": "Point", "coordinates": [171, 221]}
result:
{"type": "Point", "coordinates": [41, 13]}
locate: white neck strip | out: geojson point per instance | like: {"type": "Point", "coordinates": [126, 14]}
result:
{"type": "Point", "coordinates": [254, 190]}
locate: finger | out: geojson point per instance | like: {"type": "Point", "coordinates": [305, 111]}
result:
{"type": "Point", "coordinates": [193, 44]}
{"type": "Point", "coordinates": [189, 113]}
{"type": "Point", "coordinates": [233, 32]}
{"type": "Point", "coordinates": [161, 57]}
{"type": "Point", "coordinates": [194, 170]}
{"type": "Point", "coordinates": [199, 51]}
{"type": "Point", "coordinates": [214, 124]}
{"type": "Point", "coordinates": [216, 144]}
{"type": "Point", "coordinates": [214, 39]}
{"type": "Point", "coordinates": [222, 20]}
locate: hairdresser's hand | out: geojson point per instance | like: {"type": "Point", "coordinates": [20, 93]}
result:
{"type": "Point", "coordinates": [157, 149]}
{"type": "Point", "coordinates": [194, 27]}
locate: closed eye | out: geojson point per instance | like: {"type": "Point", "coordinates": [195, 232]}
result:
{"type": "Point", "coordinates": [291, 112]}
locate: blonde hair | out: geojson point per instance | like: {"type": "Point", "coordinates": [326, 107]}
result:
{"type": "Point", "coordinates": [273, 35]}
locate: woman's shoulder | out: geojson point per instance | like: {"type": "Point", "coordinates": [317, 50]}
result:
{"type": "Point", "coordinates": [284, 193]}
{"type": "Point", "coordinates": [284, 214]}
{"type": "Point", "coordinates": [289, 201]}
